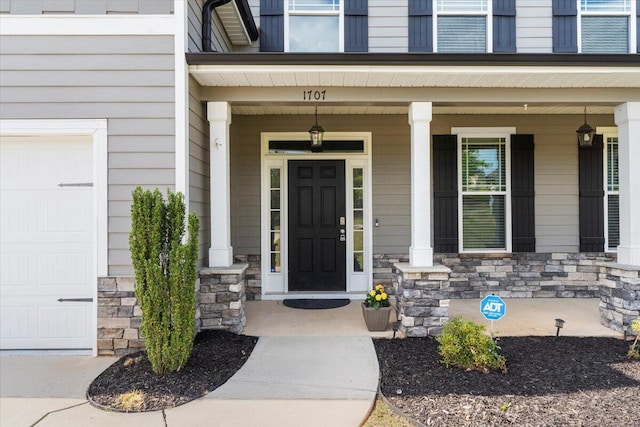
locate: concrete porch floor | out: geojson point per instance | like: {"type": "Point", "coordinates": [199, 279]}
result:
{"type": "Point", "coordinates": [531, 316]}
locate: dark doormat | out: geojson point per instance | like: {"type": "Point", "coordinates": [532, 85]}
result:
{"type": "Point", "coordinates": [315, 304]}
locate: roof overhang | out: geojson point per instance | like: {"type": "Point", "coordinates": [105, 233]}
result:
{"type": "Point", "coordinates": [415, 70]}
{"type": "Point", "coordinates": [238, 22]}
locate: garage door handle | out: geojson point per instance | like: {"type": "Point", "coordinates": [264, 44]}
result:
{"type": "Point", "coordinates": [76, 184]}
{"type": "Point", "coordinates": [75, 300]}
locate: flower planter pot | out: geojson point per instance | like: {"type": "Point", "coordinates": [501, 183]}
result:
{"type": "Point", "coordinates": [377, 319]}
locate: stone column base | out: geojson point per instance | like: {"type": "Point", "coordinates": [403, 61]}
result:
{"type": "Point", "coordinates": [221, 298]}
{"type": "Point", "coordinates": [619, 295]}
{"type": "Point", "coordinates": [422, 296]}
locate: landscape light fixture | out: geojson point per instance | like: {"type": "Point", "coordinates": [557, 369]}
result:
{"type": "Point", "coordinates": [316, 135]}
{"type": "Point", "coordinates": [559, 325]}
{"type": "Point", "coordinates": [585, 132]}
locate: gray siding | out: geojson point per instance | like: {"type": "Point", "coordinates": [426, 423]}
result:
{"type": "Point", "coordinates": [220, 41]}
{"type": "Point", "coordinates": [533, 26]}
{"type": "Point", "coordinates": [88, 7]}
{"type": "Point", "coordinates": [199, 167]}
{"type": "Point", "coordinates": [391, 192]}
{"type": "Point", "coordinates": [388, 23]}
{"type": "Point", "coordinates": [125, 79]}
{"type": "Point", "coordinates": [556, 173]}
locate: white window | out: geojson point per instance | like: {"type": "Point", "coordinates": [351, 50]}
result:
{"type": "Point", "coordinates": [607, 26]}
{"type": "Point", "coordinates": [611, 188]}
{"type": "Point", "coordinates": [463, 26]}
{"type": "Point", "coordinates": [484, 184]}
{"type": "Point", "coordinates": [314, 26]}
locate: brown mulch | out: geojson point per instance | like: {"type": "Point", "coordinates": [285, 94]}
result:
{"type": "Point", "coordinates": [551, 381]}
{"type": "Point", "coordinates": [216, 356]}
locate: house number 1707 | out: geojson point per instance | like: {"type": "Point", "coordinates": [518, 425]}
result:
{"type": "Point", "coordinates": [314, 95]}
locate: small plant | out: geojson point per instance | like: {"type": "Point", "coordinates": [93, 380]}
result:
{"type": "Point", "coordinates": [377, 297]}
{"type": "Point", "coordinates": [634, 350]}
{"type": "Point", "coordinates": [505, 406]}
{"type": "Point", "coordinates": [465, 345]}
{"type": "Point", "coordinates": [130, 361]}
{"type": "Point", "coordinates": [131, 401]}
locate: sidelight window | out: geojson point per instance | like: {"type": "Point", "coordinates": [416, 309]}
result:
{"type": "Point", "coordinates": [275, 212]}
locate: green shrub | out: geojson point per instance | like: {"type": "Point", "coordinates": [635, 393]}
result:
{"type": "Point", "coordinates": [465, 345]}
{"type": "Point", "coordinates": [165, 271]}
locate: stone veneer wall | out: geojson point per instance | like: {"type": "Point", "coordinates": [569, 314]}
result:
{"type": "Point", "coordinates": [619, 296]}
{"type": "Point", "coordinates": [422, 299]}
{"type": "Point", "coordinates": [524, 275]}
{"type": "Point", "coordinates": [221, 298]}
{"type": "Point", "coordinates": [119, 317]}
{"type": "Point", "coordinates": [253, 275]}
{"type": "Point", "coordinates": [517, 275]}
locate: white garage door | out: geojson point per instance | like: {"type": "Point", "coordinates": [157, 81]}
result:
{"type": "Point", "coordinates": [46, 243]}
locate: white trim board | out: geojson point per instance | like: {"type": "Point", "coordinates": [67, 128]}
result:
{"type": "Point", "coordinates": [23, 25]}
{"type": "Point", "coordinates": [97, 130]}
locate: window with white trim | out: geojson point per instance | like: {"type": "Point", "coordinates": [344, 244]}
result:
{"type": "Point", "coordinates": [314, 26]}
{"type": "Point", "coordinates": [606, 26]}
{"type": "Point", "coordinates": [612, 191]}
{"type": "Point", "coordinates": [484, 190]}
{"type": "Point", "coordinates": [462, 26]}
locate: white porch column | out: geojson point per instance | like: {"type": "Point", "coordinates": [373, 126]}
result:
{"type": "Point", "coordinates": [421, 252]}
{"type": "Point", "coordinates": [628, 120]}
{"type": "Point", "coordinates": [221, 252]}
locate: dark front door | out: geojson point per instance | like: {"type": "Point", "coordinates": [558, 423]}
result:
{"type": "Point", "coordinates": [317, 254]}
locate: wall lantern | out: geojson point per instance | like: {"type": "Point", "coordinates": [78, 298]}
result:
{"type": "Point", "coordinates": [585, 133]}
{"type": "Point", "coordinates": [316, 135]}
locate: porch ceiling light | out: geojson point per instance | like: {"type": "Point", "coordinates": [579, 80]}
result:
{"type": "Point", "coordinates": [585, 133]}
{"type": "Point", "coordinates": [316, 135]}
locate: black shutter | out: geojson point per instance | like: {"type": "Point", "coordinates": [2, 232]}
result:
{"type": "Point", "coordinates": [638, 25]}
{"type": "Point", "coordinates": [523, 226]}
{"type": "Point", "coordinates": [565, 26]}
{"type": "Point", "coordinates": [592, 196]}
{"type": "Point", "coordinates": [445, 194]}
{"type": "Point", "coordinates": [356, 26]}
{"type": "Point", "coordinates": [504, 25]}
{"type": "Point", "coordinates": [420, 26]}
{"type": "Point", "coordinates": [271, 25]}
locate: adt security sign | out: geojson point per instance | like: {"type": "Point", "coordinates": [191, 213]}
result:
{"type": "Point", "coordinates": [493, 307]}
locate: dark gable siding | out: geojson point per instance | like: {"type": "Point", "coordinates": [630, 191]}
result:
{"type": "Point", "coordinates": [504, 25]}
{"type": "Point", "coordinates": [565, 26]}
{"type": "Point", "coordinates": [592, 196]}
{"type": "Point", "coordinates": [271, 25]}
{"type": "Point", "coordinates": [523, 229]}
{"type": "Point", "coordinates": [420, 26]}
{"type": "Point", "coordinates": [445, 193]}
{"type": "Point", "coordinates": [356, 26]}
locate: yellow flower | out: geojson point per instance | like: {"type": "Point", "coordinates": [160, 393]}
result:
{"type": "Point", "coordinates": [378, 297]}
{"type": "Point", "coordinates": [379, 287]}
{"type": "Point", "coordinates": [372, 293]}
{"type": "Point", "coordinates": [383, 296]}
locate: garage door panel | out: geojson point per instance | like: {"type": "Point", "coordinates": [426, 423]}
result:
{"type": "Point", "coordinates": [59, 210]}
{"type": "Point", "coordinates": [47, 241]}
{"type": "Point", "coordinates": [46, 324]}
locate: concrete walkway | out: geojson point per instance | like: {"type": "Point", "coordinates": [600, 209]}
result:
{"type": "Point", "coordinates": [287, 381]}
{"type": "Point", "coordinates": [309, 368]}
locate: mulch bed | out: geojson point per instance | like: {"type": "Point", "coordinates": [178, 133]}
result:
{"type": "Point", "coordinates": [551, 381]}
{"type": "Point", "coordinates": [216, 356]}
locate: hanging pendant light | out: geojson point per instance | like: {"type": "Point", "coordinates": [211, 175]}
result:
{"type": "Point", "coordinates": [316, 135]}
{"type": "Point", "coordinates": [585, 133]}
